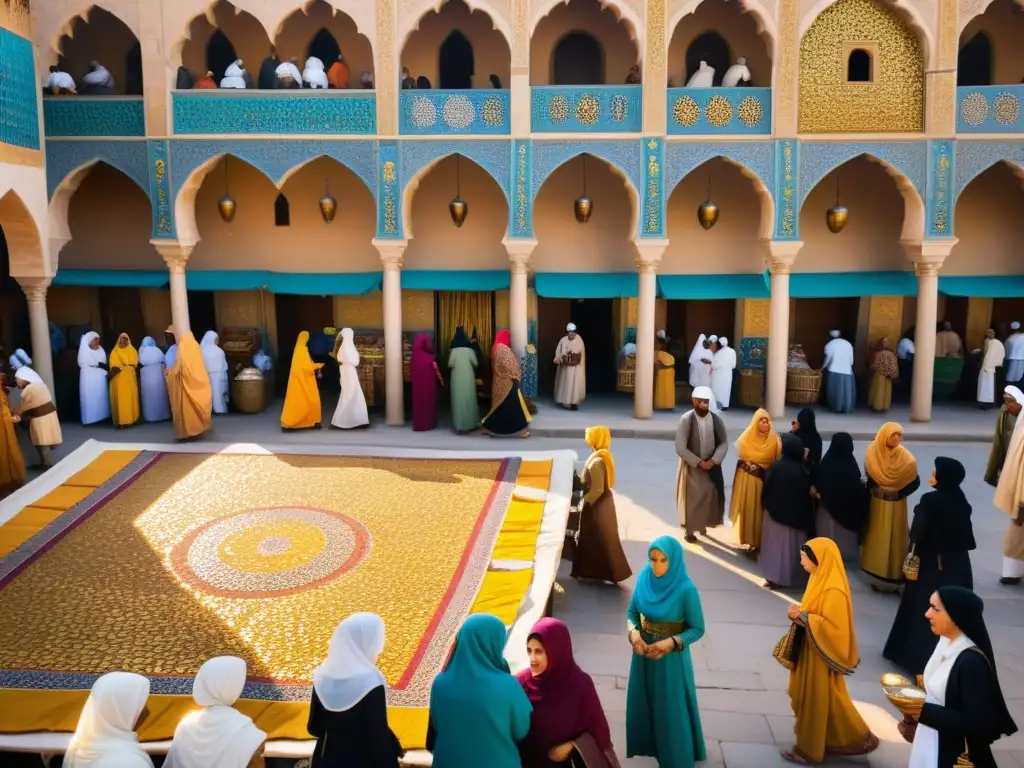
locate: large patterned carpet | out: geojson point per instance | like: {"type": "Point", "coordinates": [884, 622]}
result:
{"type": "Point", "coordinates": [154, 561]}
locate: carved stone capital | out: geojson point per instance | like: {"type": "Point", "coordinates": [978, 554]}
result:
{"type": "Point", "coordinates": [780, 255]}
{"type": "Point", "coordinates": [927, 268]}
{"type": "Point", "coordinates": [35, 288]}
{"type": "Point", "coordinates": [392, 253]}
{"type": "Point", "coordinates": [649, 253]}
{"type": "Point", "coordinates": [928, 256]}
{"type": "Point", "coordinates": [175, 253]}
{"type": "Point", "coordinates": [519, 252]}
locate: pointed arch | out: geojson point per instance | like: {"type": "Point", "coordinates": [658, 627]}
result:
{"type": "Point", "coordinates": [413, 182]}
{"type": "Point", "coordinates": [909, 13]}
{"type": "Point", "coordinates": [100, 35]}
{"type": "Point", "coordinates": [60, 199]}
{"type": "Point", "coordinates": [766, 223]}
{"type": "Point", "coordinates": [324, 46]}
{"type": "Point", "coordinates": [410, 22]}
{"type": "Point", "coordinates": [630, 12]}
{"type": "Point", "coordinates": [577, 59]}
{"type": "Point", "coordinates": [53, 29]}
{"type": "Point", "coordinates": [763, 18]}
{"type": "Point", "coordinates": [24, 244]}
{"type": "Point", "coordinates": [973, 171]}
{"type": "Point", "coordinates": [296, 31]}
{"type": "Point", "coordinates": [631, 187]}
{"type": "Point", "coordinates": [231, 26]}
{"type": "Point", "coordinates": [185, 200]}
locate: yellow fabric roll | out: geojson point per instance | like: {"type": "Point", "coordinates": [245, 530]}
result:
{"type": "Point", "coordinates": [188, 388]}
{"type": "Point", "coordinates": [745, 510]}
{"type": "Point", "coordinates": [102, 468]}
{"type": "Point", "coordinates": [302, 408]}
{"type": "Point", "coordinates": [886, 541]}
{"type": "Point", "coordinates": [124, 387]}
{"type": "Point", "coordinates": [12, 463]}
{"type": "Point", "coordinates": [664, 382]}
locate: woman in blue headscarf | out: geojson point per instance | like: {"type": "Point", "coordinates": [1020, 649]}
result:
{"type": "Point", "coordinates": [478, 711]}
{"type": "Point", "coordinates": [664, 619]}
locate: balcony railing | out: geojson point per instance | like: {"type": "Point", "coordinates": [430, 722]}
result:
{"type": "Point", "coordinates": [586, 109]}
{"type": "Point", "coordinates": [455, 112]}
{"type": "Point", "coordinates": [304, 111]}
{"type": "Point", "coordinates": [989, 109]}
{"type": "Point", "coordinates": [93, 116]}
{"type": "Point", "coordinates": [702, 111]}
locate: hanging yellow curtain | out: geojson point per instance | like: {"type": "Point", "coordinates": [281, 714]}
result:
{"type": "Point", "coordinates": [469, 309]}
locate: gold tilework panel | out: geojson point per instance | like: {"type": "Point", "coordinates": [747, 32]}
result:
{"type": "Point", "coordinates": [418, 310]}
{"type": "Point", "coordinates": [979, 318]}
{"type": "Point", "coordinates": [365, 313]}
{"type": "Point", "coordinates": [894, 102]}
{"type": "Point", "coordinates": [885, 318]}
{"type": "Point", "coordinates": [756, 317]}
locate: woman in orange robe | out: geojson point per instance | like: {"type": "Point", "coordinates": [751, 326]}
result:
{"type": "Point", "coordinates": [188, 388]}
{"type": "Point", "coordinates": [12, 463]}
{"type": "Point", "coordinates": [124, 383]}
{"type": "Point", "coordinates": [302, 408]}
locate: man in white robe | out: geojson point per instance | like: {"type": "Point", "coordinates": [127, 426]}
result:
{"type": "Point", "coordinates": [700, 363]}
{"type": "Point", "coordinates": [216, 364]}
{"type": "Point", "coordinates": [1014, 354]}
{"type": "Point", "coordinates": [992, 359]}
{"type": "Point", "coordinates": [736, 74]}
{"type": "Point", "coordinates": [314, 75]}
{"type": "Point", "coordinates": [571, 379]}
{"type": "Point", "coordinates": [701, 445]}
{"type": "Point", "coordinates": [1009, 497]}
{"type": "Point", "coordinates": [840, 384]}
{"type": "Point", "coordinates": [288, 75]}
{"type": "Point", "coordinates": [59, 82]}
{"type": "Point", "coordinates": [97, 81]}
{"type": "Point", "coordinates": [723, 364]}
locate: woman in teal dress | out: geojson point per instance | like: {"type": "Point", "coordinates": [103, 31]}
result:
{"type": "Point", "coordinates": [478, 712]}
{"type": "Point", "coordinates": [463, 362]}
{"type": "Point", "coordinates": [664, 619]}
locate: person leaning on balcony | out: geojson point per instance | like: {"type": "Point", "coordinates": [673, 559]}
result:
{"type": "Point", "coordinates": [408, 81]}
{"type": "Point", "coordinates": [338, 76]}
{"type": "Point", "coordinates": [98, 81]}
{"type": "Point", "coordinates": [366, 80]}
{"type": "Point", "coordinates": [59, 83]}
{"type": "Point", "coordinates": [234, 76]}
{"type": "Point", "coordinates": [633, 78]}
{"type": "Point", "coordinates": [267, 78]}
{"type": "Point", "coordinates": [206, 82]}
{"type": "Point", "coordinates": [288, 75]}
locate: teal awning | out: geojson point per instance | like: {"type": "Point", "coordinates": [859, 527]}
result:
{"type": "Point", "coordinates": [713, 286]}
{"type": "Point", "coordinates": [983, 286]}
{"type": "Point", "coordinates": [455, 280]}
{"type": "Point", "coordinates": [327, 284]}
{"type": "Point", "coordinates": [835, 285]}
{"type": "Point", "coordinates": [226, 280]}
{"type": "Point", "coordinates": [592, 285]}
{"type": "Point", "coordinates": [113, 278]}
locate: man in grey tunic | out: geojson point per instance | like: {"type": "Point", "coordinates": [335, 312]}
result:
{"type": "Point", "coordinates": [701, 444]}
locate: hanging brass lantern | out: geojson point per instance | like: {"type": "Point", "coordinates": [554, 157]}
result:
{"type": "Point", "coordinates": [707, 212]}
{"type": "Point", "coordinates": [226, 205]}
{"type": "Point", "coordinates": [328, 205]}
{"type": "Point", "coordinates": [458, 208]}
{"type": "Point", "coordinates": [836, 216]}
{"type": "Point", "coordinates": [583, 206]}
{"type": "Point", "coordinates": [226, 208]}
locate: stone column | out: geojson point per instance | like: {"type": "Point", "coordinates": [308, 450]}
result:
{"type": "Point", "coordinates": [655, 68]}
{"type": "Point", "coordinates": [519, 86]}
{"type": "Point", "coordinates": [519, 256]}
{"type": "Point", "coordinates": [158, 76]}
{"type": "Point", "coordinates": [781, 255]}
{"type": "Point", "coordinates": [387, 70]}
{"type": "Point", "coordinates": [391, 254]}
{"type": "Point", "coordinates": [786, 70]}
{"type": "Point", "coordinates": [647, 267]}
{"type": "Point", "coordinates": [940, 79]}
{"type": "Point", "coordinates": [39, 327]}
{"type": "Point", "coordinates": [175, 254]}
{"type": "Point", "coordinates": [928, 258]}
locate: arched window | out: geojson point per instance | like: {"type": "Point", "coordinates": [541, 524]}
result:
{"type": "Point", "coordinates": [974, 64]}
{"type": "Point", "coordinates": [578, 60]}
{"type": "Point", "coordinates": [858, 67]}
{"type": "Point", "coordinates": [220, 54]}
{"type": "Point", "coordinates": [324, 47]}
{"type": "Point", "coordinates": [709, 47]}
{"type": "Point", "coordinates": [455, 68]}
{"type": "Point", "coordinates": [282, 215]}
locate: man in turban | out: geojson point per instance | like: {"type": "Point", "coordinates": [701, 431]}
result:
{"type": "Point", "coordinates": [701, 444]}
{"type": "Point", "coordinates": [840, 383]}
{"type": "Point", "coordinates": [571, 379]}
{"type": "Point", "coordinates": [1009, 495]}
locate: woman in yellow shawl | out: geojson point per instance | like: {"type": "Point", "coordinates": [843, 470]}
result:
{"type": "Point", "coordinates": [12, 463]}
{"type": "Point", "coordinates": [599, 554]}
{"type": "Point", "coordinates": [188, 388]}
{"type": "Point", "coordinates": [826, 720]}
{"type": "Point", "coordinates": [757, 449]}
{"type": "Point", "coordinates": [124, 384]}
{"type": "Point", "coordinates": [892, 477]}
{"type": "Point", "coordinates": [302, 399]}
{"type": "Point", "coordinates": [664, 378]}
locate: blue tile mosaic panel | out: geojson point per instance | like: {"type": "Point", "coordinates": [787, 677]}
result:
{"type": "Point", "coordinates": [586, 109]}
{"type": "Point", "coordinates": [700, 111]}
{"type": "Point", "coordinates": [454, 112]}
{"type": "Point", "coordinates": [331, 113]}
{"type": "Point", "coordinates": [19, 113]}
{"type": "Point", "coordinates": [989, 109]}
{"type": "Point", "coordinates": [76, 116]}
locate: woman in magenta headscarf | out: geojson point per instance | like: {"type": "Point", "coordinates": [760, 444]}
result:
{"type": "Point", "coordinates": [508, 416]}
{"type": "Point", "coordinates": [425, 377]}
{"type": "Point", "coordinates": [567, 716]}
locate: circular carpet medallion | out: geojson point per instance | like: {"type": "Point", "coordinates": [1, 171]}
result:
{"type": "Point", "coordinates": [269, 552]}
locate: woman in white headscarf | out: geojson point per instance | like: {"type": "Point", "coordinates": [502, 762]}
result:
{"type": "Point", "coordinates": [217, 736]}
{"type": "Point", "coordinates": [700, 371]}
{"type": "Point", "coordinates": [348, 709]}
{"type": "Point", "coordinates": [234, 76]}
{"type": "Point", "coordinates": [93, 392]}
{"type": "Point", "coordinates": [105, 736]}
{"type": "Point", "coordinates": [216, 363]}
{"type": "Point", "coordinates": [314, 74]}
{"type": "Point", "coordinates": [351, 411]}
{"type": "Point", "coordinates": [155, 405]}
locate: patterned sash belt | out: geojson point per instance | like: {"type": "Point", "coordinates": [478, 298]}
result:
{"type": "Point", "coordinates": [884, 494]}
{"type": "Point", "coordinates": [40, 410]}
{"type": "Point", "coordinates": [661, 628]}
{"type": "Point", "coordinates": [756, 470]}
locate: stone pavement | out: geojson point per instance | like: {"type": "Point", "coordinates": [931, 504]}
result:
{"type": "Point", "coordinates": [742, 691]}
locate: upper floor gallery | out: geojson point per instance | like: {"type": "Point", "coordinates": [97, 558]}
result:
{"type": "Point", "coordinates": [522, 67]}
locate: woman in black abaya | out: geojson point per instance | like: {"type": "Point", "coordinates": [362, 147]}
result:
{"type": "Point", "coordinates": [942, 537]}
{"type": "Point", "coordinates": [842, 497]}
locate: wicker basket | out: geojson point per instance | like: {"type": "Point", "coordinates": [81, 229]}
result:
{"type": "Point", "coordinates": [803, 386]}
{"type": "Point", "coordinates": [367, 383]}
{"type": "Point", "coordinates": [751, 389]}
{"type": "Point", "coordinates": [249, 391]}
{"type": "Point", "coordinates": [627, 374]}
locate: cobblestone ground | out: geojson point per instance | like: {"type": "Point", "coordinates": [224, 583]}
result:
{"type": "Point", "coordinates": [742, 691]}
